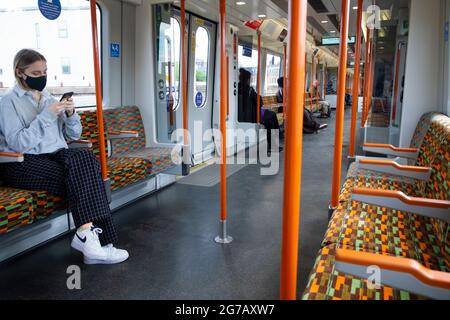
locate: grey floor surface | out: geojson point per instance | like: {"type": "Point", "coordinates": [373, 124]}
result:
{"type": "Point", "coordinates": [170, 239]}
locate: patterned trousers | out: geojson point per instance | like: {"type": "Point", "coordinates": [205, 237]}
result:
{"type": "Point", "coordinates": [73, 174]}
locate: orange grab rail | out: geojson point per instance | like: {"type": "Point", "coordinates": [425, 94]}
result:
{"type": "Point", "coordinates": [356, 77]}
{"type": "Point", "coordinates": [293, 157]}
{"type": "Point", "coordinates": [337, 165]}
{"type": "Point", "coordinates": [98, 90]}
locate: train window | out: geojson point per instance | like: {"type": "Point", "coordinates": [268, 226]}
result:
{"type": "Point", "coordinates": [273, 71]}
{"type": "Point", "coordinates": [170, 57]}
{"type": "Point", "coordinates": [249, 61]}
{"type": "Point", "coordinates": [202, 43]}
{"type": "Point", "coordinates": [66, 43]}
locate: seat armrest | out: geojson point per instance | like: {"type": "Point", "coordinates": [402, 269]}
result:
{"type": "Point", "coordinates": [401, 161]}
{"type": "Point", "coordinates": [80, 144]}
{"type": "Point", "coordinates": [390, 150]}
{"type": "Point", "coordinates": [10, 157]}
{"type": "Point", "coordinates": [396, 272]}
{"type": "Point", "coordinates": [392, 167]}
{"type": "Point", "coordinates": [122, 135]}
{"type": "Point", "coordinates": [397, 200]}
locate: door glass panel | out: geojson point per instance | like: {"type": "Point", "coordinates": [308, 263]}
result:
{"type": "Point", "coordinates": [202, 43]}
{"type": "Point", "coordinates": [273, 69]}
{"type": "Point", "coordinates": [168, 65]}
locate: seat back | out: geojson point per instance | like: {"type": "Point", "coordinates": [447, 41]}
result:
{"type": "Point", "coordinates": [125, 119]}
{"type": "Point", "coordinates": [269, 100]}
{"type": "Point", "coordinates": [89, 122]}
{"type": "Point", "coordinates": [435, 153]}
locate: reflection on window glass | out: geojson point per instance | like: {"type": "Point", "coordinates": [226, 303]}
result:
{"type": "Point", "coordinates": [170, 58]}
{"type": "Point", "coordinates": [273, 69]}
{"type": "Point", "coordinates": [249, 63]}
{"type": "Point", "coordinates": [201, 66]}
{"type": "Point", "coordinates": [68, 54]}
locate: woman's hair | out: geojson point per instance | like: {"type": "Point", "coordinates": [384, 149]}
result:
{"type": "Point", "coordinates": [23, 59]}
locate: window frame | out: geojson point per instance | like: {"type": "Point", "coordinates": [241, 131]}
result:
{"type": "Point", "coordinates": [101, 43]}
{"type": "Point", "coordinates": [208, 66]}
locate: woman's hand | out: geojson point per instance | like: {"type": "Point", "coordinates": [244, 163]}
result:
{"type": "Point", "coordinates": [70, 107]}
{"type": "Point", "coordinates": [57, 107]}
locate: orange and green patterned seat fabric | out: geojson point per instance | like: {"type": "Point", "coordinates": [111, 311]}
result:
{"type": "Point", "coordinates": [362, 227]}
{"type": "Point", "coordinates": [326, 283]}
{"type": "Point", "coordinates": [422, 133]}
{"type": "Point", "coordinates": [122, 171]}
{"type": "Point", "coordinates": [157, 160]}
{"type": "Point", "coordinates": [22, 207]}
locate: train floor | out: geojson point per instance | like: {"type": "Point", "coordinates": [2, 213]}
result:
{"type": "Point", "coordinates": [170, 237]}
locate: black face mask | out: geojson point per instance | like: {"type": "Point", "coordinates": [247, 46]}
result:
{"type": "Point", "coordinates": [36, 83]}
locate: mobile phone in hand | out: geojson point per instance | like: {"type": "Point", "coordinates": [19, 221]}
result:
{"type": "Point", "coordinates": [66, 96]}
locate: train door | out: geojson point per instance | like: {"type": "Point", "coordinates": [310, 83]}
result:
{"type": "Point", "coordinates": [201, 86]}
{"type": "Point", "coordinates": [169, 111]}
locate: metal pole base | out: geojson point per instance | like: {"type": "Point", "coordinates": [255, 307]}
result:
{"type": "Point", "coordinates": [223, 238]}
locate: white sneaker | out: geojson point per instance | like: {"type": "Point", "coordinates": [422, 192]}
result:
{"type": "Point", "coordinates": [87, 242]}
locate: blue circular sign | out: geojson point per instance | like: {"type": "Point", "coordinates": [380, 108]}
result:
{"type": "Point", "coordinates": [199, 99]}
{"type": "Point", "coordinates": [51, 9]}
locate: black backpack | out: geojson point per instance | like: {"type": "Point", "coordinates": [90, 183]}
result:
{"type": "Point", "coordinates": [310, 125]}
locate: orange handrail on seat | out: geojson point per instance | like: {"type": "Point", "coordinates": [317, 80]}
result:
{"type": "Point", "coordinates": [395, 165]}
{"type": "Point", "coordinates": [389, 146]}
{"type": "Point", "coordinates": [98, 90]}
{"type": "Point", "coordinates": [424, 202]}
{"type": "Point", "coordinates": [430, 277]}
{"type": "Point", "coordinates": [293, 156]}
{"type": "Point", "coordinates": [11, 154]}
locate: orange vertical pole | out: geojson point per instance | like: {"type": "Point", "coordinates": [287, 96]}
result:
{"type": "Point", "coordinates": [397, 78]}
{"type": "Point", "coordinates": [285, 82]}
{"type": "Point", "coordinates": [372, 74]}
{"type": "Point", "coordinates": [337, 164]}
{"type": "Point", "coordinates": [184, 71]}
{"type": "Point", "coordinates": [356, 78]}
{"type": "Point", "coordinates": [293, 157]}
{"type": "Point", "coordinates": [98, 90]}
{"type": "Point", "coordinates": [258, 82]}
{"type": "Point", "coordinates": [311, 85]}
{"type": "Point", "coordinates": [317, 89]}
{"type": "Point", "coordinates": [223, 237]}
{"type": "Point", "coordinates": [306, 64]}
{"type": "Point", "coordinates": [228, 86]}
{"type": "Point", "coordinates": [366, 79]}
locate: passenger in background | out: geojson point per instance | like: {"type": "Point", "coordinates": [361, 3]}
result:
{"type": "Point", "coordinates": [248, 104]}
{"type": "Point", "coordinates": [34, 123]}
{"type": "Point", "coordinates": [280, 93]}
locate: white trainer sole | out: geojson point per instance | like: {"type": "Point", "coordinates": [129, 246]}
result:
{"type": "Point", "coordinates": [96, 261]}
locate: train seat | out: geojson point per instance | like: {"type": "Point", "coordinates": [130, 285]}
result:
{"type": "Point", "coordinates": [17, 208]}
{"type": "Point", "coordinates": [326, 283]}
{"type": "Point", "coordinates": [158, 160]}
{"type": "Point", "coordinates": [22, 207]}
{"type": "Point", "coordinates": [422, 129]}
{"type": "Point", "coordinates": [122, 171]}
{"type": "Point", "coordinates": [369, 228]}
{"type": "Point", "coordinates": [430, 139]}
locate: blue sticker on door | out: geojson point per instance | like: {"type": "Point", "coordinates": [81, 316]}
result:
{"type": "Point", "coordinates": [51, 9]}
{"type": "Point", "coordinates": [115, 50]}
{"type": "Point", "coordinates": [199, 99]}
